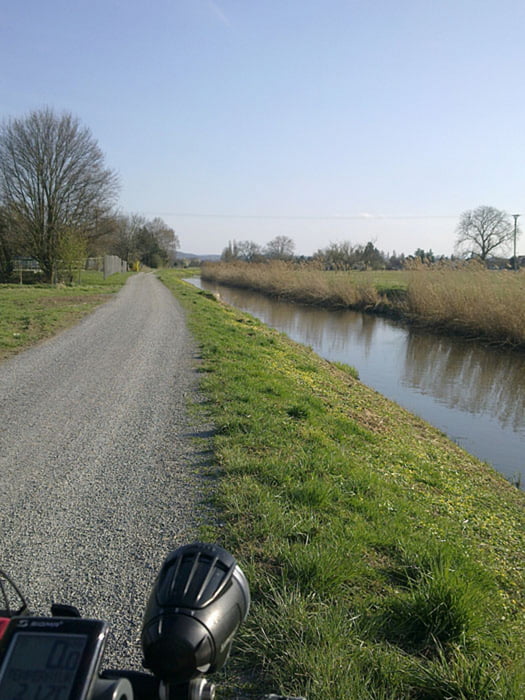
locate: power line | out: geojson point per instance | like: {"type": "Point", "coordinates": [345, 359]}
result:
{"type": "Point", "coordinates": [320, 217]}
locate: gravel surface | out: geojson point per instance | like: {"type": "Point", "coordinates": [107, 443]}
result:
{"type": "Point", "coordinates": [99, 469]}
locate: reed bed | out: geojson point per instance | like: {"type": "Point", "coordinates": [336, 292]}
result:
{"type": "Point", "coordinates": [472, 301]}
{"type": "Point", "coordinates": [306, 284]}
{"type": "Point", "coordinates": [467, 299]}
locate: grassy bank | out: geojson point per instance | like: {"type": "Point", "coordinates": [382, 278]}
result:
{"type": "Point", "coordinates": [385, 562]}
{"type": "Point", "coordinates": [30, 313]}
{"type": "Point", "coordinates": [469, 300]}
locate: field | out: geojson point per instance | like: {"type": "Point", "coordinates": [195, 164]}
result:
{"type": "Point", "coordinates": [468, 300]}
{"type": "Point", "coordinates": [385, 562]}
{"type": "Point", "coordinates": [30, 313]}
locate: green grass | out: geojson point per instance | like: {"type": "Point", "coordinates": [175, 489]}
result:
{"type": "Point", "coordinates": [384, 561]}
{"type": "Point", "coordinates": [31, 313]}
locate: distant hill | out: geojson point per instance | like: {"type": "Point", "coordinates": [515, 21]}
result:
{"type": "Point", "coordinates": [192, 256]}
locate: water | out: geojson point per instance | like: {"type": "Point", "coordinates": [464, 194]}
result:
{"type": "Point", "coordinates": [476, 395]}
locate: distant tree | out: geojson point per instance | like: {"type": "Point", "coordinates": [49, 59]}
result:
{"type": "Point", "coordinates": [231, 252]}
{"type": "Point", "coordinates": [345, 256]}
{"type": "Point", "coordinates": [425, 256]}
{"type": "Point", "coordinates": [280, 248]}
{"type": "Point", "coordinates": [52, 180]}
{"type": "Point", "coordinates": [482, 231]}
{"type": "Point", "coordinates": [249, 251]}
{"type": "Point", "coordinates": [372, 257]}
{"type": "Point", "coordinates": [242, 250]}
{"type": "Point", "coordinates": [337, 256]}
{"type": "Point", "coordinates": [148, 250]}
{"type": "Point", "coordinates": [101, 239]}
{"type": "Point", "coordinates": [166, 238]}
{"type": "Point", "coordinates": [396, 262]}
{"type": "Point", "coordinates": [153, 243]}
{"type": "Point", "coordinates": [124, 236]}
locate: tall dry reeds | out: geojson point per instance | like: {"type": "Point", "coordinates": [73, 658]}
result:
{"type": "Point", "coordinates": [466, 298]}
{"type": "Point", "coordinates": [470, 300]}
{"type": "Point", "coordinates": [305, 284]}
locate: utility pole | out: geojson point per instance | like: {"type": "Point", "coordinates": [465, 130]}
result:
{"type": "Point", "coordinates": [515, 233]}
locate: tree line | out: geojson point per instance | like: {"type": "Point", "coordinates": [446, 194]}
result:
{"type": "Point", "coordinates": [342, 255]}
{"type": "Point", "coordinates": [58, 200]}
{"type": "Point", "coordinates": [484, 233]}
{"type": "Point", "coordinates": [58, 206]}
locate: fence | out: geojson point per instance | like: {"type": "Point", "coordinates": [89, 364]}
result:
{"type": "Point", "coordinates": [109, 264]}
{"type": "Point", "coordinates": [113, 264]}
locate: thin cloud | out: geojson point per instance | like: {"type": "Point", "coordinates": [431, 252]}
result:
{"type": "Point", "coordinates": [219, 13]}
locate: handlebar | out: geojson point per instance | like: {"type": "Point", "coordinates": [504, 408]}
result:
{"type": "Point", "coordinates": [197, 604]}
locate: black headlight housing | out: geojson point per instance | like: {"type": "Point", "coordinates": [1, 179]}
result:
{"type": "Point", "coordinates": [199, 600]}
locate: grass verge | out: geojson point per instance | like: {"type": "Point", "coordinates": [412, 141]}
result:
{"type": "Point", "coordinates": [384, 561]}
{"type": "Point", "coordinates": [31, 313]}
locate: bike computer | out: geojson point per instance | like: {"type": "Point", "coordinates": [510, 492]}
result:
{"type": "Point", "coordinates": [50, 658]}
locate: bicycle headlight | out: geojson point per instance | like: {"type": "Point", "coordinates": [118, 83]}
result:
{"type": "Point", "coordinates": [197, 604]}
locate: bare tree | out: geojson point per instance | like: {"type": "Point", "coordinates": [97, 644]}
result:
{"type": "Point", "coordinates": [345, 256]}
{"type": "Point", "coordinates": [135, 238]}
{"type": "Point", "coordinates": [338, 256]}
{"type": "Point", "coordinates": [52, 181]}
{"type": "Point", "coordinates": [280, 248]}
{"type": "Point", "coordinates": [482, 231]}
{"type": "Point", "coordinates": [123, 240]}
{"type": "Point", "coordinates": [166, 238]}
{"type": "Point", "coordinates": [249, 251]}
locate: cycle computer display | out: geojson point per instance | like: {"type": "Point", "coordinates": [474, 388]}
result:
{"type": "Point", "coordinates": [51, 658]}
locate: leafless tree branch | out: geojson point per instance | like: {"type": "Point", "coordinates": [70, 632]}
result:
{"type": "Point", "coordinates": [52, 180]}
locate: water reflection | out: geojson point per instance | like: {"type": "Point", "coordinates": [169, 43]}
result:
{"type": "Point", "coordinates": [475, 395]}
{"type": "Point", "coordinates": [468, 378]}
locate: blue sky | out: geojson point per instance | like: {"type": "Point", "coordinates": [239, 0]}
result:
{"type": "Point", "coordinates": [322, 120]}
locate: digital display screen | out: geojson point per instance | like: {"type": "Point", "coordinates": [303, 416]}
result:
{"type": "Point", "coordinates": [41, 666]}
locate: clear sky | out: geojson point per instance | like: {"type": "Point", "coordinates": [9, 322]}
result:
{"type": "Point", "coordinates": [322, 120]}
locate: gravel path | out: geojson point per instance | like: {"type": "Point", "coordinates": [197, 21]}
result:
{"type": "Point", "coordinates": [99, 471]}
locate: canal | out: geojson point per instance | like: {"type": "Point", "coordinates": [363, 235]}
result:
{"type": "Point", "coordinates": [474, 394]}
